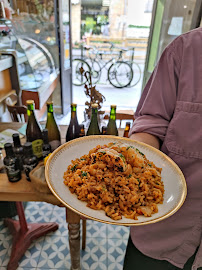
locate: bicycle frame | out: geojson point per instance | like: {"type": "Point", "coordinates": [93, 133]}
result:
{"type": "Point", "coordinates": [99, 59]}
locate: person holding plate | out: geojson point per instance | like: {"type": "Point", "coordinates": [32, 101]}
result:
{"type": "Point", "coordinates": [169, 117]}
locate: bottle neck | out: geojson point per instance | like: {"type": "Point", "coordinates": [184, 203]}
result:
{"type": "Point", "coordinates": [50, 108]}
{"type": "Point", "coordinates": [94, 114]}
{"type": "Point", "coordinates": [113, 114]}
{"type": "Point", "coordinates": [30, 110]}
{"type": "Point", "coordinates": [73, 111]}
{"type": "Point", "coordinates": [16, 141]}
{"type": "Point", "coordinates": [45, 137]}
{"type": "Point", "coordinates": [9, 152]}
{"type": "Point", "coordinates": [50, 112]}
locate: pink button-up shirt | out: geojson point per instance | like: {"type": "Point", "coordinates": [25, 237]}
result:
{"type": "Point", "coordinates": [171, 109]}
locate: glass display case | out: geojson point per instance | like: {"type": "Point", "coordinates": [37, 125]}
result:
{"type": "Point", "coordinates": [37, 68]}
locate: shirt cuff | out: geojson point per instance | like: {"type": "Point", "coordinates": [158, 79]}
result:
{"type": "Point", "coordinates": [150, 124]}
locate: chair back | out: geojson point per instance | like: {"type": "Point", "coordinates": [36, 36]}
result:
{"type": "Point", "coordinates": [122, 115]}
{"type": "Point", "coordinates": [17, 113]}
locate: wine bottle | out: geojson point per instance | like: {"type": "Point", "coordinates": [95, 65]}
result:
{"type": "Point", "coordinates": [11, 163]}
{"type": "Point", "coordinates": [33, 131]}
{"type": "Point", "coordinates": [111, 127]}
{"type": "Point", "coordinates": [46, 145]}
{"type": "Point", "coordinates": [73, 129]}
{"type": "Point", "coordinates": [126, 130]}
{"type": "Point", "coordinates": [30, 161]}
{"type": "Point", "coordinates": [82, 130]}
{"type": "Point", "coordinates": [93, 128]}
{"type": "Point", "coordinates": [18, 149]}
{"type": "Point", "coordinates": [53, 130]}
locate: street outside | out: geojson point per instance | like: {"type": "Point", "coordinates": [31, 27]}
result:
{"type": "Point", "coordinates": [125, 98]}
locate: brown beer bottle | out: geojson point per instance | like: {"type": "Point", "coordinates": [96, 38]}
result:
{"type": "Point", "coordinates": [82, 130]}
{"type": "Point", "coordinates": [111, 127]}
{"type": "Point", "coordinates": [74, 128]}
{"type": "Point", "coordinates": [104, 130]}
{"type": "Point", "coordinates": [93, 128]}
{"type": "Point", "coordinates": [53, 130]}
{"type": "Point", "coordinates": [127, 129]}
{"type": "Point", "coordinates": [33, 131]}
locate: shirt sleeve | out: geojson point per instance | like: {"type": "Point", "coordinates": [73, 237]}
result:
{"type": "Point", "coordinates": [157, 103]}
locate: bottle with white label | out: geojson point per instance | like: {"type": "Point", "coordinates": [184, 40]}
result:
{"type": "Point", "coordinates": [12, 164]}
{"type": "Point", "coordinates": [30, 161]}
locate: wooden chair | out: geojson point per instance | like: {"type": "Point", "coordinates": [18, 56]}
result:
{"type": "Point", "coordinates": [122, 115]}
{"type": "Point", "coordinates": [17, 113]}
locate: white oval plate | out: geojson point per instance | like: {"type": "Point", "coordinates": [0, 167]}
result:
{"type": "Point", "coordinates": [174, 181]}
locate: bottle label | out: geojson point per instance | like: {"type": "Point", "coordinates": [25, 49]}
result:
{"type": "Point", "coordinates": [54, 144]}
{"type": "Point", "coordinates": [29, 168]}
{"type": "Point", "coordinates": [13, 173]}
{"type": "Point", "coordinates": [37, 146]}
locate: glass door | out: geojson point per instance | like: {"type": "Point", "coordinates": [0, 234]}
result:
{"type": "Point", "coordinates": [170, 19]}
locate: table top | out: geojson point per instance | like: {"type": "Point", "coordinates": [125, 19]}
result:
{"type": "Point", "coordinates": [23, 189]}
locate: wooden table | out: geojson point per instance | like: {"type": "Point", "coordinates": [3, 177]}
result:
{"type": "Point", "coordinates": [23, 191]}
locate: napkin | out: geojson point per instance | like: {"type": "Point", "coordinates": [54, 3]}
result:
{"type": "Point", "coordinates": [38, 181]}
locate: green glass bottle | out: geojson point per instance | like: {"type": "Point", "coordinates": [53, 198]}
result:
{"type": "Point", "coordinates": [54, 137]}
{"type": "Point", "coordinates": [94, 127]}
{"type": "Point", "coordinates": [73, 130]}
{"type": "Point", "coordinates": [33, 131]}
{"type": "Point", "coordinates": [111, 127]}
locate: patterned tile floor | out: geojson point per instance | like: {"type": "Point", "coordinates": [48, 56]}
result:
{"type": "Point", "coordinates": [105, 244]}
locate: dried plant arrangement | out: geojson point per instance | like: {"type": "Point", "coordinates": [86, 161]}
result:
{"type": "Point", "coordinates": [91, 92]}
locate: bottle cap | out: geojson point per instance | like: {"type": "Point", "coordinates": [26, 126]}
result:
{"type": "Point", "coordinates": [94, 105]}
{"type": "Point", "coordinates": [28, 148]}
{"type": "Point", "coordinates": [16, 139]}
{"type": "Point", "coordinates": [30, 101]}
{"type": "Point", "coordinates": [45, 135]}
{"type": "Point", "coordinates": [113, 106]}
{"type": "Point", "coordinates": [15, 135]}
{"type": "Point", "coordinates": [128, 123]}
{"type": "Point", "coordinates": [8, 148]}
{"type": "Point", "coordinates": [49, 102]}
{"type": "Point", "coordinates": [73, 104]}
{"type": "Point", "coordinates": [27, 145]}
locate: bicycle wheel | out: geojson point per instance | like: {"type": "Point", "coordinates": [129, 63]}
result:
{"type": "Point", "coordinates": [78, 78]}
{"type": "Point", "coordinates": [120, 74]}
{"type": "Point", "coordinates": [136, 74]}
{"type": "Point", "coordinates": [95, 69]}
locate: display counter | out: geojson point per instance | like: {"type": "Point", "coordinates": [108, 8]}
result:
{"type": "Point", "coordinates": [35, 67]}
{"type": "Point", "coordinates": [6, 87]}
